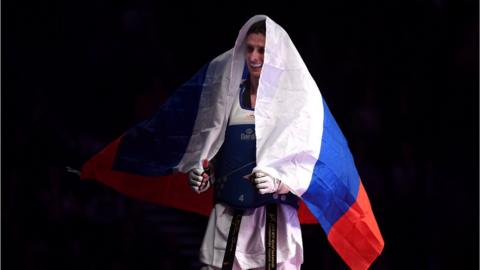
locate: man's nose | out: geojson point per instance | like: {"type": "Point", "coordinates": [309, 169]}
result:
{"type": "Point", "coordinates": [255, 55]}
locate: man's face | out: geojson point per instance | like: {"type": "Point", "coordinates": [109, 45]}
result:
{"type": "Point", "coordinates": [255, 43]}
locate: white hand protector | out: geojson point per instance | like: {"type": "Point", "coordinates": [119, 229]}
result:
{"type": "Point", "coordinates": [268, 184]}
{"type": "Point", "coordinates": [198, 180]}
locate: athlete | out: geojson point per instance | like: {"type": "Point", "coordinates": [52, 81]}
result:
{"type": "Point", "coordinates": [239, 219]}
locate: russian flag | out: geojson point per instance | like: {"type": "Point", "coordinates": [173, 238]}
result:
{"type": "Point", "coordinates": [298, 141]}
{"type": "Point", "coordinates": [142, 163]}
{"type": "Point", "coordinates": [338, 200]}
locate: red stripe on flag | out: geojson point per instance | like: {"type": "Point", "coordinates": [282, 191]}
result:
{"type": "Point", "coordinates": [171, 190]}
{"type": "Point", "coordinates": [355, 236]}
{"type": "Point", "coordinates": [305, 216]}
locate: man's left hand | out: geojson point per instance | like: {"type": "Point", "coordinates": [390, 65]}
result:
{"type": "Point", "coordinates": [266, 183]}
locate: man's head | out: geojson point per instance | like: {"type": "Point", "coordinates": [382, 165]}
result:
{"type": "Point", "coordinates": [255, 48]}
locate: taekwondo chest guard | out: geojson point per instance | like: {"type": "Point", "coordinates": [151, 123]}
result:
{"type": "Point", "coordinates": [235, 160]}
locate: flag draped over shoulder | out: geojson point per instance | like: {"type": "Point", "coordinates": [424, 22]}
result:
{"type": "Point", "coordinates": [298, 141]}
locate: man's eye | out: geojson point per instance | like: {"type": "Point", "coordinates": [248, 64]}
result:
{"type": "Point", "coordinates": [249, 49]}
{"type": "Point", "coordinates": [261, 50]}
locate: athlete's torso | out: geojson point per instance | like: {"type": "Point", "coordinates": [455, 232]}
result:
{"type": "Point", "coordinates": [237, 158]}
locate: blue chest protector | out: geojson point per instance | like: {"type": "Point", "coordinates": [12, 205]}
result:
{"type": "Point", "coordinates": [235, 160]}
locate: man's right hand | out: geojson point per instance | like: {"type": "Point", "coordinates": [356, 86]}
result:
{"type": "Point", "coordinates": [198, 180]}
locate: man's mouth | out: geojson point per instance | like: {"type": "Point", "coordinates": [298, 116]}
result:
{"type": "Point", "coordinates": [255, 65]}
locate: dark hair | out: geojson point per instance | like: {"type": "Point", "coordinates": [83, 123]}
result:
{"type": "Point", "coordinates": [258, 28]}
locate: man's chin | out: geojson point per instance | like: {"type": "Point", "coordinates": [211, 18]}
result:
{"type": "Point", "coordinates": [255, 74]}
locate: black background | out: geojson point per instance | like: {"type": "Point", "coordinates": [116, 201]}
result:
{"type": "Point", "coordinates": [400, 77]}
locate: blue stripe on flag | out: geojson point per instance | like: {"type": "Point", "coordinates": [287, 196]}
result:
{"type": "Point", "coordinates": [335, 181]}
{"type": "Point", "coordinates": [156, 145]}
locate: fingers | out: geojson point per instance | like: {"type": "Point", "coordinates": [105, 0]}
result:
{"type": "Point", "coordinates": [196, 171]}
{"type": "Point", "coordinates": [195, 183]}
{"type": "Point", "coordinates": [205, 181]}
{"type": "Point", "coordinates": [205, 185]}
{"type": "Point", "coordinates": [195, 179]}
{"type": "Point", "coordinates": [265, 190]}
{"type": "Point", "coordinates": [264, 184]}
{"type": "Point", "coordinates": [260, 174]}
{"type": "Point", "coordinates": [262, 179]}
{"type": "Point", "coordinates": [198, 180]}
